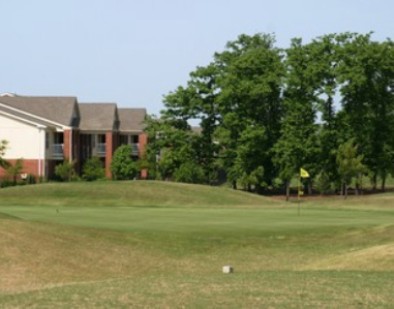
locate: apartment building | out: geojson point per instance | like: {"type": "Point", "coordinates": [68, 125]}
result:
{"type": "Point", "coordinates": [46, 131]}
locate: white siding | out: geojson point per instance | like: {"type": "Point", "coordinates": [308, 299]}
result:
{"type": "Point", "coordinates": [24, 140]}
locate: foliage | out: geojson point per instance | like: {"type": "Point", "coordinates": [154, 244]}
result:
{"type": "Point", "coordinates": [3, 147]}
{"type": "Point", "coordinates": [297, 145]}
{"type": "Point", "coordinates": [65, 171]}
{"type": "Point", "coordinates": [189, 172]}
{"type": "Point", "coordinates": [30, 179]}
{"type": "Point", "coordinates": [264, 112]}
{"type": "Point", "coordinates": [123, 167]}
{"type": "Point", "coordinates": [322, 183]}
{"type": "Point", "coordinates": [14, 170]}
{"type": "Point", "coordinates": [93, 169]}
{"type": "Point", "coordinates": [349, 163]}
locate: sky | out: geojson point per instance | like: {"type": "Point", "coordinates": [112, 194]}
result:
{"type": "Point", "coordinates": [134, 52]}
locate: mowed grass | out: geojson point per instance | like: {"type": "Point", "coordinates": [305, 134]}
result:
{"type": "Point", "coordinates": [163, 245]}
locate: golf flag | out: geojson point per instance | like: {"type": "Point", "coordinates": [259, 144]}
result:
{"type": "Point", "coordinates": [303, 173]}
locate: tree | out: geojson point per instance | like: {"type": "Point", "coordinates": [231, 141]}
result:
{"type": "Point", "coordinates": [189, 172]}
{"type": "Point", "coordinates": [297, 145]}
{"type": "Point", "coordinates": [3, 147]}
{"type": "Point", "coordinates": [367, 77]}
{"type": "Point", "coordinates": [258, 109]}
{"type": "Point", "coordinates": [325, 56]}
{"type": "Point", "coordinates": [349, 164]}
{"type": "Point", "coordinates": [15, 169]}
{"type": "Point", "coordinates": [198, 101]}
{"type": "Point", "coordinates": [172, 145]}
{"type": "Point", "coordinates": [250, 99]}
{"type": "Point", "coordinates": [248, 167]}
{"type": "Point", "coordinates": [123, 167]}
{"type": "Point", "coordinates": [93, 169]}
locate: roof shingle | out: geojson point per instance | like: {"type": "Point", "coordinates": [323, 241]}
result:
{"type": "Point", "coordinates": [61, 110]}
{"type": "Point", "coordinates": [132, 119]}
{"type": "Point", "coordinates": [98, 117]}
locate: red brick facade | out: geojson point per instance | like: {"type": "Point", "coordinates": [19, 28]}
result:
{"type": "Point", "coordinates": [142, 142]}
{"type": "Point", "coordinates": [110, 146]}
{"type": "Point", "coordinates": [29, 167]}
{"type": "Point", "coordinates": [67, 143]}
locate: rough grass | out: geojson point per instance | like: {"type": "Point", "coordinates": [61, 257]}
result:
{"type": "Point", "coordinates": [106, 245]}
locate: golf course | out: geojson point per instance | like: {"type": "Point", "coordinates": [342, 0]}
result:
{"type": "Point", "coordinates": [151, 244]}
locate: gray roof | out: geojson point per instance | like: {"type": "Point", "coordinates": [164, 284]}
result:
{"type": "Point", "coordinates": [132, 119]}
{"type": "Point", "coordinates": [98, 117]}
{"type": "Point", "coordinates": [57, 109]}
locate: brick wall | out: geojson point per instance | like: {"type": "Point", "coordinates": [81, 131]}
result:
{"type": "Point", "coordinates": [142, 142]}
{"type": "Point", "coordinates": [111, 143]}
{"type": "Point", "coordinates": [29, 167]}
{"type": "Point", "coordinates": [66, 146]}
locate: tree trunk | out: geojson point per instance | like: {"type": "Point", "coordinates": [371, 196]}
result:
{"type": "Point", "coordinates": [234, 184]}
{"type": "Point", "coordinates": [345, 187]}
{"type": "Point", "coordinates": [374, 181]}
{"type": "Point", "coordinates": [309, 187]}
{"type": "Point", "coordinates": [384, 183]}
{"type": "Point", "coordinates": [287, 190]}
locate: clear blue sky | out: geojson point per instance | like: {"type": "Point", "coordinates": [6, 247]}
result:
{"type": "Point", "coordinates": [134, 52]}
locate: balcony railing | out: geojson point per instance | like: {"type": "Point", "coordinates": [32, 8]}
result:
{"type": "Point", "coordinates": [57, 151]}
{"type": "Point", "coordinates": [101, 149]}
{"type": "Point", "coordinates": [134, 149]}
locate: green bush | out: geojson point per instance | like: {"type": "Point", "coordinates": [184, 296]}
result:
{"type": "Point", "coordinates": [189, 172]}
{"type": "Point", "coordinates": [7, 183]}
{"type": "Point", "coordinates": [93, 169]}
{"type": "Point", "coordinates": [30, 179]}
{"type": "Point", "coordinates": [65, 171]}
{"type": "Point", "coordinates": [123, 167]}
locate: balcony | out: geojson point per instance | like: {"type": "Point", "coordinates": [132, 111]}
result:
{"type": "Point", "coordinates": [57, 151]}
{"type": "Point", "coordinates": [134, 149]}
{"type": "Point", "coordinates": [101, 149]}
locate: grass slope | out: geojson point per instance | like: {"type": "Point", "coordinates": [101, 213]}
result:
{"type": "Point", "coordinates": [162, 245]}
{"type": "Point", "coordinates": [135, 193]}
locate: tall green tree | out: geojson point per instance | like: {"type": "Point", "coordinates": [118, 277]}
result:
{"type": "Point", "coordinates": [169, 148]}
{"type": "Point", "coordinates": [297, 145]}
{"type": "Point", "coordinates": [349, 164]}
{"type": "Point", "coordinates": [324, 54]}
{"type": "Point", "coordinates": [250, 99]}
{"type": "Point", "coordinates": [367, 78]}
{"type": "Point", "coordinates": [197, 102]}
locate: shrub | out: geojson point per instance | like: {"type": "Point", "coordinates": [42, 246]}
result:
{"type": "Point", "coordinates": [30, 179]}
{"type": "Point", "coordinates": [123, 167]}
{"type": "Point", "coordinates": [93, 169]}
{"type": "Point", "coordinates": [7, 183]}
{"type": "Point", "coordinates": [65, 171]}
{"type": "Point", "coordinates": [189, 172]}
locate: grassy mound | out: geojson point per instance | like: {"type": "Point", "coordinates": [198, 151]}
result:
{"type": "Point", "coordinates": [128, 193]}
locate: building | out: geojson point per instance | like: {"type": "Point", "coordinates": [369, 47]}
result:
{"type": "Point", "coordinates": [46, 131]}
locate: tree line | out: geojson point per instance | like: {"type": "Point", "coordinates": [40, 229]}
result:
{"type": "Point", "coordinates": [265, 112]}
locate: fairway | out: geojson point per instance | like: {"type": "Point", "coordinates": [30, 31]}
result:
{"type": "Point", "coordinates": [162, 245]}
